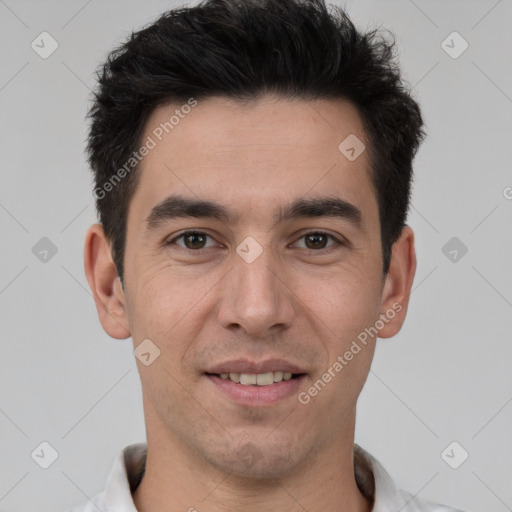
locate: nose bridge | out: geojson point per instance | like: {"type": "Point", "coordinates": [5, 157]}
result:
{"type": "Point", "coordinates": [256, 298]}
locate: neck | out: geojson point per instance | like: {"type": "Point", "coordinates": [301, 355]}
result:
{"type": "Point", "coordinates": [177, 479]}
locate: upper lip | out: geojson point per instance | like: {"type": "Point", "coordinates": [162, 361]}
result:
{"type": "Point", "coordinates": [246, 366]}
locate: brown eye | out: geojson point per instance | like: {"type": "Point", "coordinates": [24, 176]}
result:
{"type": "Point", "coordinates": [192, 240]}
{"type": "Point", "coordinates": [195, 240]}
{"type": "Point", "coordinates": [317, 240]}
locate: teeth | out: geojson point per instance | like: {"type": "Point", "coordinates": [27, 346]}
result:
{"type": "Point", "coordinates": [260, 379]}
{"type": "Point", "coordinates": [264, 379]}
{"type": "Point", "coordinates": [248, 378]}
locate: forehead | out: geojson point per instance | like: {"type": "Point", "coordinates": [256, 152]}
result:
{"type": "Point", "coordinates": [254, 156]}
{"type": "Point", "coordinates": [227, 122]}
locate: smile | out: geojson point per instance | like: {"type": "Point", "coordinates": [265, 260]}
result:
{"type": "Point", "coordinates": [257, 389]}
{"type": "Point", "coordinates": [257, 379]}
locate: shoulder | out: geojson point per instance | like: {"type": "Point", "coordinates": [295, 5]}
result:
{"type": "Point", "coordinates": [415, 504]}
{"type": "Point", "coordinates": [97, 502]}
{"type": "Point", "coordinates": [375, 482]}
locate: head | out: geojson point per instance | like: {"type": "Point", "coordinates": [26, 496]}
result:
{"type": "Point", "coordinates": [243, 51]}
{"type": "Point", "coordinates": [245, 107]}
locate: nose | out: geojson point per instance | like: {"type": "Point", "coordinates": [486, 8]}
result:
{"type": "Point", "coordinates": [257, 298]}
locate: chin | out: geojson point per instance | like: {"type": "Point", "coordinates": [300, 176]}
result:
{"type": "Point", "coordinates": [257, 458]}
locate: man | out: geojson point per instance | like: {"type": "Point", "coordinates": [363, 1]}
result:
{"type": "Point", "coordinates": [252, 166]}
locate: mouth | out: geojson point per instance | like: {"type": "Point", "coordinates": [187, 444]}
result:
{"type": "Point", "coordinates": [256, 383]}
{"type": "Point", "coordinates": [257, 379]}
{"type": "Point", "coordinates": [256, 389]}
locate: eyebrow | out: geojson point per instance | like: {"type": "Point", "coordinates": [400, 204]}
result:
{"type": "Point", "coordinates": [178, 206]}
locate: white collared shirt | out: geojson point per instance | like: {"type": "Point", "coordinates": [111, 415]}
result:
{"type": "Point", "coordinates": [372, 479]}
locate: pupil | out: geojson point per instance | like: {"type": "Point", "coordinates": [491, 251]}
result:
{"type": "Point", "coordinates": [315, 237]}
{"type": "Point", "coordinates": [194, 235]}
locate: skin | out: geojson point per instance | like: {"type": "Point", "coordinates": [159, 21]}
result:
{"type": "Point", "coordinates": [306, 306]}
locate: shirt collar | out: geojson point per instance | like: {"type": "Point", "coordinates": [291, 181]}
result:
{"type": "Point", "coordinates": [124, 478]}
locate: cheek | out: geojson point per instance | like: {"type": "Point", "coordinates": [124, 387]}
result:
{"type": "Point", "coordinates": [165, 306]}
{"type": "Point", "coordinates": [346, 310]}
{"type": "Point", "coordinates": [344, 303]}
{"type": "Point", "coordinates": [349, 354]}
{"type": "Point", "coordinates": [156, 304]}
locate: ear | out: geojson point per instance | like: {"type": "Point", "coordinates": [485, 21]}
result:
{"type": "Point", "coordinates": [105, 284]}
{"type": "Point", "coordinates": [398, 283]}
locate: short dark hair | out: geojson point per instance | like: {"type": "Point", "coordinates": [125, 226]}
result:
{"type": "Point", "coordinates": [243, 50]}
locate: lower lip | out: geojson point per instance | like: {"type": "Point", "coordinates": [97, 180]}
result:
{"type": "Point", "coordinates": [257, 395]}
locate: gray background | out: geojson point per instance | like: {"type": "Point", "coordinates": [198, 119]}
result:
{"type": "Point", "coordinates": [445, 377]}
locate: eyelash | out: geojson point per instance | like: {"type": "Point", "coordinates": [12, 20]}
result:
{"type": "Point", "coordinates": [326, 250]}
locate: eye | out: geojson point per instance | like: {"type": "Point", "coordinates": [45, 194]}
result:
{"type": "Point", "coordinates": [316, 240]}
{"type": "Point", "coordinates": [193, 240]}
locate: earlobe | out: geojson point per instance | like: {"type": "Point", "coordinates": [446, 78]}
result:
{"type": "Point", "coordinates": [398, 284]}
{"type": "Point", "coordinates": [105, 284]}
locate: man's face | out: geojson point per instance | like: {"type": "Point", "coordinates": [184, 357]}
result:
{"type": "Point", "coordinates": [253, 289]}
